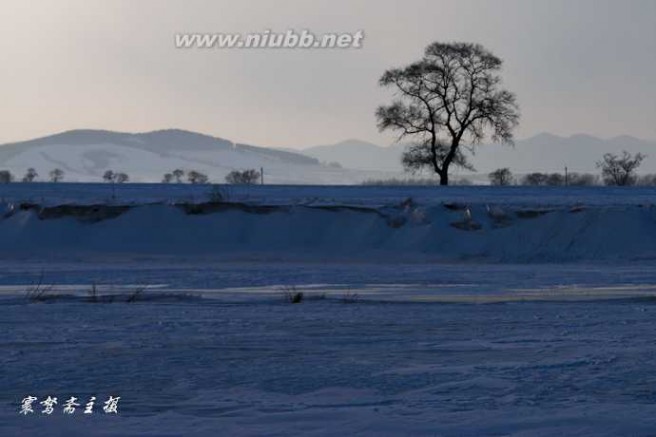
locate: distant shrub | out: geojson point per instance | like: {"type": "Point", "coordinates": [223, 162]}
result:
{"type": "Point", "coordinates": [93, 293]}
{"type": "Point", "coordinates": [244, 177]}
{"type": "Point", "coordinates": [350, 297]}
{"type": "Point", "coordinates": [116, 178]}
{"type": "Point", "coordinates": [501, 177]}
{"type": "Point", "coordinates": [56, 175]}
{"type": "Point", "coordinates": [178, 174]}
{"type": "Point", "coordinates": [196, 177]}
{"type": "Point", "coordinates": [6, 177]}
{"type": "Point", "coordinates": [30, 175]}
{"type": "Point", "coordinates": [136, 294]}
{"type": "Point", "coordinates": [121, 178]}
{"type": "Point", "coordinates": [39, 292]}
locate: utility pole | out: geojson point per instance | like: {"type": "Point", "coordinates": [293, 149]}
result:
{"type": "Point", "coordinates": [566, 181]}
{"type": "Point", "coordinates": [261, 175]}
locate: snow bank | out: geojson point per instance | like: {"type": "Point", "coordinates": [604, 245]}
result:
{"type": "Point", "coordinates": [406, 231]}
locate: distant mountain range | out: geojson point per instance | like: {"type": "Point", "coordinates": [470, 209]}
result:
{"type": "Point", "coordinates": [85, 155]}
{"type": "Point", "coordinates": [540, 153]}
{"type": "Point", "coordinates": [359, 155]}
{"type": "Point", "coordinates": [547, 152]}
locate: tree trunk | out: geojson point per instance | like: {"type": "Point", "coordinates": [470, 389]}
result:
{"type": "Point", "coordinates": [444, 178]}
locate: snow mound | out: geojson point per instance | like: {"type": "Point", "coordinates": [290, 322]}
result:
{"type": "Point", "coordinates": [406, 231]}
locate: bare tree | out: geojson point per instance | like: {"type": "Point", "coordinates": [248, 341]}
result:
{"type": "Point", "coordinates": [245, 177]}
{"type": "Point", "coordinates": [121, 178]}
{"type": "Point", "coordinates": [620, 170]}
{"type": "Point", "coordinates": [178, 175]}
{"type": "Point", "coordinates": [167, 179]}
{"type": "Point", "coordinates": [452, 95]}
{"type": "Point", "coordinates": [56, 175]}
{"type": "Point", "coordinates": [502, 176]}
{"type": "Point", "coordinates": [115, 177]}
{"type": "Point", "coordinates": [108, 176]}
{"type": "Point", "coordinates": [196, 177]}
{"type": "Point", "coordinates": [6, 177]}
{"type": "Point", "coordinates": [30, 175]}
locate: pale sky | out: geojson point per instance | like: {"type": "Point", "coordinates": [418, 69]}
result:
{"type": "Point", "coordinates": [577, 66]}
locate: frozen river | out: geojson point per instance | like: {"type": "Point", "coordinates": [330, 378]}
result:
{"type": "Point", "coordinates": [448, 350]}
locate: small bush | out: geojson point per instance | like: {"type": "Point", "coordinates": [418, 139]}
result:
{"type": "Point", "coordinates": [39, 292]}
{"type": "Point", "coordinates": [350, 297]}
{"type": "Point", "coordinates": [136, 294]}
{"type": "Point", "coordinates": [93, 293]}
{"type": "Point", "coordinates": [292, 295]}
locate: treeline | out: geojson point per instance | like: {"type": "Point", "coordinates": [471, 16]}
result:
{"type": "Point", "coordinates": [237, 177]}
{"type": "Point", "coordinates": [31, 175]}
{"type": "Point", "coordinates": [504, 177]}
{"type": "Point", "coordinates": [413, 182]}
{"type": "Point", "coordinates": [501, 177]}
{"type": "Point", "coordinates": [616, 170]}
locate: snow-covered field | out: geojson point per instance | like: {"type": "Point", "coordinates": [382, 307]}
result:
{"type": "Point", "coordinates": [534, 317]}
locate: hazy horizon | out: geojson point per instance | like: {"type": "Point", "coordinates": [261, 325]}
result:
{"type": "Point", "coordinates": [75, 64]}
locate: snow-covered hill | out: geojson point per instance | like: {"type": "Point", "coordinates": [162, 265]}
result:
{"type": "Point", "coordinates": [85, 155]}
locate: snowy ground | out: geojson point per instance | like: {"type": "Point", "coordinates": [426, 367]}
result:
{"type": "Point", "coordinates": [46, 193]}
{"type": "Point", "coordinates": [208, 346]}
